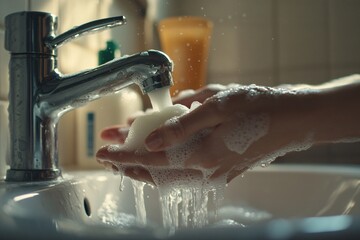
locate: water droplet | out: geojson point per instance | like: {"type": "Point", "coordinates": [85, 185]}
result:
{"type": "Point", "coordinates": [264, 165]}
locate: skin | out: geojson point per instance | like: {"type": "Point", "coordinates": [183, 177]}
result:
{"type": "Point", "coordinates": [329, 113]}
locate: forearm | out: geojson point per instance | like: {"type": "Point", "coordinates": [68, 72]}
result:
{"type": "Point", "coordinates": [338, 115]}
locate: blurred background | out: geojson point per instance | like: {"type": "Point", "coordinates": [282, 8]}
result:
{"type": "Point", "coordinates": [264, 42]}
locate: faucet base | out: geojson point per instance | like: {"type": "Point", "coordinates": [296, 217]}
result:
{"type": "Point", "coordinates": [18, 175]}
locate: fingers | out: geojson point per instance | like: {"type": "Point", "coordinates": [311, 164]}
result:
{"type": "Point", "coordinates": [174, 132]}
{"type": "Point", "coordinates": [116, 133]}
{"type": "Point", "coordinates": [162, 176]}
{"type": "Point", "coordinates": [117, 155]}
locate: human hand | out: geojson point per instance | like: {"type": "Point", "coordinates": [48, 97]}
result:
{"type": "Point", "coordinates": [243, 125]}
{"type": "Point", "coordinates": [119, 133]}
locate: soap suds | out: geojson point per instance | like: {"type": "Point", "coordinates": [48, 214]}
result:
{"type": "Point", "coordinates": [252, 92]}
{"type": "Point", "coordinates": [348, 140]}
{"type": "Point", "coordinates": [113, 148]}
{"type": "Point", "coordinates": [265, 160]}
{"type": "Point", "coordinates": [184, 193]}
{"type": "Point", "coordinates": [178, 154]}
{"type": "Point", "coordinates": [248, 129]}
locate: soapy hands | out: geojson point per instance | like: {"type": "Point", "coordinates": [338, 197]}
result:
{"type": "Point", "coordinates": [242, 128]}
{"type": "Point", "coordinates": [245, 126]}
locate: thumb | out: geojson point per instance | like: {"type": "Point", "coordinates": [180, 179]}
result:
{"type": "Point", "coordinates": [169, 134]}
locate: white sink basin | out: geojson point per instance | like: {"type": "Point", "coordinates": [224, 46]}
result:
{"type": "Point", "coordinates": [89, 205]}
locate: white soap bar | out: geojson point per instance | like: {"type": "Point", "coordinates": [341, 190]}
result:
{"type": "Point", "coordinates": [145, 124]}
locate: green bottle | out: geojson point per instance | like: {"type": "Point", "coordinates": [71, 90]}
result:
{"type": "Point", "coordinates": [109, 53]}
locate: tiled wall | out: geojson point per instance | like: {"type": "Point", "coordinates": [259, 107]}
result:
{"type": "Point", "coordinates": [270, 42]}
{"type": "Point", "coordinates": [265, 42]}
{"type": "Point", "coordinates": [277, 41]}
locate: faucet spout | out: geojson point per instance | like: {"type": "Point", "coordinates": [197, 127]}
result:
{"type": "Point", "coordinates": [149, 70]}
{"type": "Point", "coordinates": [40, 94]}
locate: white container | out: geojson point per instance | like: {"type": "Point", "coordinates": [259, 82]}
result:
{"type": "Point", "coordinates": [92, 118]}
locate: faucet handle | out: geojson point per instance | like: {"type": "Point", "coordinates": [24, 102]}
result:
{"type": "Point", "coordinates": [34, 32]}
{"type": "Point", "coordinates": [93, 26]}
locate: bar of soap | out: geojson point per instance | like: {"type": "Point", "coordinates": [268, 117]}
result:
{"type": "Point", "coordinates": [145, 124]}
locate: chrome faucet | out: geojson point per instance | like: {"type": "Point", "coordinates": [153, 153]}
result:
{"type": "Point", "coordinates": [39, 94]}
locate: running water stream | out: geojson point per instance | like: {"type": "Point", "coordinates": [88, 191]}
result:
{"type": "Point", "coordinates": [184, 194]}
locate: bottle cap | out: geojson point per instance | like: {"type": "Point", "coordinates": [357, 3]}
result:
{"type": "Point", "coordinates": [109, 53]}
